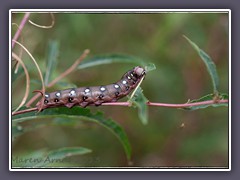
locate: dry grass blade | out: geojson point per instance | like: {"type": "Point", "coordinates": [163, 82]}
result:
{"type": "Point", "coordinates": [27, 82]}
{"type": "Point", "coordinates": [136, 88]}
{"type": "Point", "coordinates": [36, 64]}
{"type": "Point", "coordinates": [21, 51]}
{"type": "Point", "coordinates": [44, 27]}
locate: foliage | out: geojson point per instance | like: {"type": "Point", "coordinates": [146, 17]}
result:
{"type": "Point", "coordinates": [147, 36]}
{"type": "Point", "coordinates": [79, 114]}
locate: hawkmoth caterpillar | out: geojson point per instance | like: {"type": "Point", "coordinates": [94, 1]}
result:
{"type": "Point", "coordinates": [96, 95]}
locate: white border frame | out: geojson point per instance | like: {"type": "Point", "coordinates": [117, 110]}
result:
{"type": "Point", "coordinates": [121, 11]}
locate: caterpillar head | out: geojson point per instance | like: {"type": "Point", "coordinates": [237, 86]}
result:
{"type": "Point", "coordinates": [139, 71]}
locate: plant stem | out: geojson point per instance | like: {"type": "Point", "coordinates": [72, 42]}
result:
{"type": "Point", "coordinates": [69, 70]}
{"type": "Point", "coordinates": [24, 111]}
{"type": "Point", "coordinates": [19, 30]}
{"type": "Point", "coordinates": [187, 104]}
{"type": "Point", "coordinates": [148, 103]}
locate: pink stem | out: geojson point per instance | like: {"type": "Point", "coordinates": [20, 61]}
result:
{"type": "Point", "coordinates": [187, 104]}
{"type": "Point", "coordinates": [148, 103]}
{"type": "Point", "coordinates": [22, 24]}
{"type": "Point", "coordinates": [168, 105]}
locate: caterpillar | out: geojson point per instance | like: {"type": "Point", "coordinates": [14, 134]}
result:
{"type": "Point", "coordinates": [95, 95]}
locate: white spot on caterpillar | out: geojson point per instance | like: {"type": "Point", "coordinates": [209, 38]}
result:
{"type": "Point", "coordinates": [46, 96]}
{"type": "Point", "coordinates": [124, 82]}
{"type": "Point", "coordinates": [72, 93]}
{"type": "Point", "coordinates": [58, 94]}
{"type": "Point", "coordinates": [116, 86]}
{"type": "Point", "coordinates": [102, 88]}
{"type": "Point", "coordinates": [129, 77]}
{"type": "Point", "coordinates": [87, 90]}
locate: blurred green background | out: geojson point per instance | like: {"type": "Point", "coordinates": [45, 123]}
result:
{"type": "Point", "coordinates": [180, 75]}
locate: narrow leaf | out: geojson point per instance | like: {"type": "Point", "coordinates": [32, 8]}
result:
{"type": "Point", "coordinates": [57, 156]}
{"type": "Point", "coordinates": [81, 114]}
{"type": "Point", "coordinates": [221, 96]}
{"type": "Point", "coordinates": [28, 159]}
{"type": "Point", "coordinates": [211, 67]}
{"type": "Point", "coordinates": [139, 100]}
{"type": "Point", "coordinates": [52, 55]}
{"type": "Point", "coordinates": [67, 152]}
{"type": "Point", "coordinates": [42, 158]}
{"type": "Point", "coordinates": [108, 59]}
{"type": "Point", "coordinates": [150, 67]}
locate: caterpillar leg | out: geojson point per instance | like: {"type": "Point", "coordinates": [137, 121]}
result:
{"type": "Point", "coordinates": [84, 104]}
{"type": "Point", "coordinates": [98, 103]}
{"type": "Point", "coordinates": [69, 105]}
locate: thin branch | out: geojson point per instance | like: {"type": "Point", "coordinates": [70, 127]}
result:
{"type": "Point", "coordinates": [188, 104]}
{"type": "Point", "coordinates": [22, 24]}
{"type": "Point", "coordinates": [168, 105]}
{"type": "Point", "coordinates": [69, 70]}
{"type": "Point", "coordinates": [28, 104]}
{"type": "Point", "coordinates": [24, 111]}
{"type": "Point", "coordinates": [148, 103]}
{"type": "Point", "coordinates": [61, 76]}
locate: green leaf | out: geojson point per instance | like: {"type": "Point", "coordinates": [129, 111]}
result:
{"type": "Point", "coordinates": [221, 96]}
{"type": "Point", "coordinates": [57, 156]}
{"type": "Point", "coordinates": [52, 55]}
{"type": "Point", "coordinates": [139, 100]}
{"type": "Point", "coordinates": [65, 122]}
{"type": "Point", "coordinates": [28, 159]}
{"type": "Point", "coordinates": [211, 67]}
{"type": "Point", "coordinates": [81, 114]}
{"type": "Point", "coordinates": [42, 158]}
{"type": "Point", "coordinates": [108, 59]}
{"type": "Point", "coordinates": [67, 152]}
{"type": "Point", "coordinates": [150, 67]}
{"type": "Point", "coordinates": [18, 129]}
